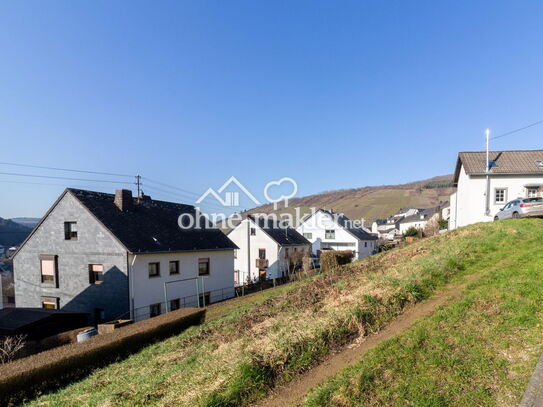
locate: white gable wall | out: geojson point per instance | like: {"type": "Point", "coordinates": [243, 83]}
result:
{"type": "Point", "coordinates": [245, 261]}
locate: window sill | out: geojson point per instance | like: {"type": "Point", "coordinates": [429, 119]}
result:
{"type": "Point", "coordinates": [158, 275]}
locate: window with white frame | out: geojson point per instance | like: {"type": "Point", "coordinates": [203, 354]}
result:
{"type": "Point", "coordinates": [500, 195]}
{"type": "Point", "coordinates": [329, 234]}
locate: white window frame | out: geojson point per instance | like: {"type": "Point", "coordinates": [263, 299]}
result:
{"type": "Point", "coordinates": [500, 202]}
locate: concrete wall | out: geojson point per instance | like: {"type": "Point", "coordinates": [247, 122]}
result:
{"type": "Point", "coordinates": [147, 290]}
{"type": "Point", "coordinates": [94, 245]}
{"type": "Point", "coordinates": [468, 203]}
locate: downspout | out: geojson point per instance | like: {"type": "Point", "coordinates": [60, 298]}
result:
{"type": "Point", "coordinates": [248, 249]}
{"type": "Point", "coordinates": [131, 278]}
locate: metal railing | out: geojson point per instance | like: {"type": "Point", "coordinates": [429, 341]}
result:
{"type": "Point", "coordinates": [206, 298]}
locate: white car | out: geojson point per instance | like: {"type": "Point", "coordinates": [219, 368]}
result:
{"type": "Point", "coordinates": [521, 208]}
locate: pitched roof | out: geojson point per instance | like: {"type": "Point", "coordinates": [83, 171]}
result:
{"type": "Point", "coordinates": [347, 224]}
{"type": "Point", "coordinates": [151, 226]}
{"type": "Point", "coordinates": [282, 235]}
{"type": "Point", "coordinates": [504, 162]}
{"type": "Point", "coordinates": [425, 214]}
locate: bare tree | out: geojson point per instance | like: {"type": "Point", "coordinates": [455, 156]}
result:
{"type": "Point", "coordinates": [10, 346]}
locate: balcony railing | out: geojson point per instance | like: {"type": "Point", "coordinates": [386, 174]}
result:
{"type": "Point", "coordinates": [262, 263]}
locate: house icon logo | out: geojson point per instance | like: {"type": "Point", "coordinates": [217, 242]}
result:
{"type": "Point", "coordinates": [231, 199]}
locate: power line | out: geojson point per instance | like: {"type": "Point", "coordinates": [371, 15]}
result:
{"type": "Point", "coordinates": [66, 178]}
{"type": "Point", "coordinates": [51, 184]}
{"type": "Point", "coordinates": [180, 196]}
{"type": "Point", "coordinates": [517, 130]}
{"type": "Point", "coordinates": [171, 186]}
{"type": "Point", "coordinates": [66, 169]}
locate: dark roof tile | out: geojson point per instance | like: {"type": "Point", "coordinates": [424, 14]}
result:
{"type": "Point", "coordinates": [151, 226]}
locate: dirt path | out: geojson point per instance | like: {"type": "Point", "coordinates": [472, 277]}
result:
{"type": "Point", "coordinates": [294, 392]}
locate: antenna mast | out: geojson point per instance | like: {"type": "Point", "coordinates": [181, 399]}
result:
{"type": "Point", "coordinates": [487, 132]}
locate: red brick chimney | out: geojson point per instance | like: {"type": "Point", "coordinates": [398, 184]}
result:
{"type": "Point", "coordinates": [123, 199]}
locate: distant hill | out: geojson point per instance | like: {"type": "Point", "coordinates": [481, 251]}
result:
{"type": "Point", "coordinates": [374, 202]}
{"type": "Point", "coordinates": [12, 233]}
{"type": "Point", "coordinates": [28, 222]}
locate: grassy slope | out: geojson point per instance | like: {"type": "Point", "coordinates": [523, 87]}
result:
{"type": "Point", "coordinates": [236, 357]}
{"type": "Point", "coordinates": [478, 351]}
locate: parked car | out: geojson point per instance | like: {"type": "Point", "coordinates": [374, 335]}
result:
{"type": "Point", "coordinates": [521, 208]}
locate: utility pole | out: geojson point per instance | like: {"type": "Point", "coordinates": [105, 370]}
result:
{"type": "Point", "coordinates": [138, 186]}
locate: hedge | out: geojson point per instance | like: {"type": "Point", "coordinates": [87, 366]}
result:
{"type": "Point", "coordinates": [48, 370]}
{"type": "Point", "coordinates": [331, 259]}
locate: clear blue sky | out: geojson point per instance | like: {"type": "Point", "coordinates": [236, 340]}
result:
{"type": "Point", "coordinates": [333, 94]}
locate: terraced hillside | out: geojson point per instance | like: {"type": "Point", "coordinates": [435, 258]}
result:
{"type": "Point", "coordinates": [374, 202]}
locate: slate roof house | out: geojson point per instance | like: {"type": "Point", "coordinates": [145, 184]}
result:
{"type": "Point", "coordinates": [327, 230]}
{"type": "Point", "coordinates": [480, 193]}
{"type": "Point", "coordinates": [117, 256]}
{"type": "Point", "coordinates": [265, 247]}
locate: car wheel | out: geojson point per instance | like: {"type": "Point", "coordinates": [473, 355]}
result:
{"type": "Point", "coordinates": [496, 218]}
{"type": "Point", "coordinates": [516, 215]}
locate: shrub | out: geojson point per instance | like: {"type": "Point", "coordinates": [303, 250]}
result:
{"type": "Point", "coordinates": [307, 263]}
{"type": "Point", "coordinates": [411, 232]}
{"type": "Point", "coordinates": [443, 224]}
{"type": "Point", "coordinates": [10, 346]}
{"type": "Point", "coordinates": [331, 259]}
{"type": "Point", "coordinates": [50, 369]}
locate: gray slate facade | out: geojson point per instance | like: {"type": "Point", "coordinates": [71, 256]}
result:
{"type": "Point", "coordinates": [94, 245]}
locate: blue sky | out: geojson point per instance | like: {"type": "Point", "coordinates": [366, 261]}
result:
{"type": "Point", "coordinates": [188, 93]}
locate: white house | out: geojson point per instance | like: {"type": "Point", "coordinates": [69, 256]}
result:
{"type": "Point", "coordinates": [419, 220]}
{"type": "Point", "coordinates": [265, 247]}
{"type": "Point", "coordinates": [386, 228]}
{"type": "Point", "coordinates": [115, 256]}
{"type": "Point", "coordinates": [480, 193]}
{"type": "Point", "coordinates": [328, 230]}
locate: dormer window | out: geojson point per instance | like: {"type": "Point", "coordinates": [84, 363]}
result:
{"type": "Point", "coordinates": [539, 163]}
{"type": "Point", "coordinates": [70, 230]}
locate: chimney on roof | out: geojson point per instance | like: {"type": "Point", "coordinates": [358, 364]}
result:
{"type": "Point", "coordinates": [123, 200]}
